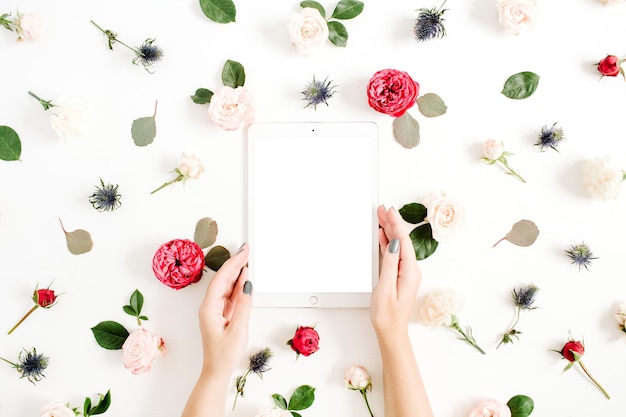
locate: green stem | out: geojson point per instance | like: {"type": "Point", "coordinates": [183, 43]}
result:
{"type": "Point", "coordinates": [511, 328]}
{"type": "Point", "coordinates": [241, 382]}
{"type": "Point", "coordinates": [466, 337]}
{"type": "Point", "coordinates": [179, 178]}
{"type": "Point", "coordinates": [45, 103]}
{"type": "Point", "coordinates": [606, 394]}
{"type": "Point", "coordinates": [24, 318]}
{"type": "Point", "coordinates": [367, 402]}
{"type": "Point", "coordinates": [511, 170]}
{"type": "Point", "coordinates": [9, 362]}
{"type": "Point", "coordinates": [113, 38]}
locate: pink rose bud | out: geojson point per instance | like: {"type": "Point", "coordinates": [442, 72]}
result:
{"type": "Point", "coordinates": [305, 341]}
{"type": "Point", "coordinates": [356, 377]}
{"type": "Point", "coordinates": [609, 66]}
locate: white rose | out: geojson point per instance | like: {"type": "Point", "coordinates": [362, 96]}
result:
{"type": "Point", "coordinates": [231, 107]}
{"type": "Point", "coordinates": [356, 377]}
{"type": "Point", "coordinates": [70, 117]}
{"type": "Point", "coordinates": [491, 150]}
{"type": "Point", "coordinates": [438, 306]}
{"type": "Point", "coordinates": [308, 30]}
{"type": "Point", "coordinates": [620, 316]}
{"type": "Point", "coordinates": [29, 27]}
{"type": "Point", "coordinates": [517, 16]}
{"type": "Point", "coordinates": [141, 350]}
{"type": "Point", "coordinates": [490, 408]}
{"type": "Point", "coordinates": [273, 412]}
{"type": "Point", "coordinates": [611, 1]}
{"type": "Point", "coordinates": [56, 410]}
{"type": "Point", "coordinates": [190, 166]}
{"type": "Point", "coordinates": [444, 214]}
{"type": "Point", "coordinates": [601, 179]}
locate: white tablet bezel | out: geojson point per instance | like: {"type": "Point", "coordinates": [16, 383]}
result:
{"type": "Point", "coordinates": [309, 132]}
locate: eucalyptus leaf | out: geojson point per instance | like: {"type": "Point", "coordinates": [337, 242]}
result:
{"type": "Point", "coordinates": [521, 85]}
{"type": "Point", "coordinates": [423, 243]}
{"type": "Point", "coordinates": [10, 145]}
{"type": "Point", "coordinates": [337, 33]}
{"type": "Point", "coordinates": [233, 74]}
{"type": "Point", "coordinates": [302, 398]}
{"type": "Point", "coordinates": [406, 130]}
{"type": "Point", "coordinates": [523, 233]}
{"type": "Point", "coordinates": [216, 257]}
{"type": "Point", "coordinates": [219, 11]}
{"type": "Point", "coordinates": [348, 9]}
{"type": "Point", "coordinates": [521, 406]}
{"type": "Point", "coordinates": [280, 401]}
{"type": "Point", "coordinates": [413, 212]}
{"type": "Point", "coordinates": [110, 334]}
{"type": "Point", "coordinates": [202, 96]}
{"type": "Point", "coordinates": [431, 105]}
{"type": "Point", "coordinates": [206, 232]}
{"type": "Point", "coordinates": [314, 5]}
{"type": "Point", "coordinates": [103, 404]}
{"type": "Point", "coordinates": [143, 129]}
{"type": "Point", "coordinates": [79, 241]}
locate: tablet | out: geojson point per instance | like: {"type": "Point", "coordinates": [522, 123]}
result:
{"type": "Point", "coordinates": [312, 225]}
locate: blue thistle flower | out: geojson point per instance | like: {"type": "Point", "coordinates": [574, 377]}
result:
{"type": "Point", "coordinates": [550, 137]}
{"type": "Point", "coordinates": [106, 197]}
{"type": "Point", "coordinates": [30, 365]}
{"type": "Point", "coordinates": [429, 23]}
{"type": "Point", "coordinates": [581, 255]}
{"type": "Point", "coordinates": [524, 297]}
{"type": "Point", "coordinates": [258, 365]}
{"type": "Point", "coordinates": [148, 54]}
{"type": "Point", "coordinates": [317, 92]}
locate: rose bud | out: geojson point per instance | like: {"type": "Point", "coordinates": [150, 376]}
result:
{"type": "Point", "coordinates": [573, 351]}
{"type": "Point", "coordinates": [305, 341]}
{"type": "Point", "coordinates": [571, 347]}
{"type": "Point", "coordinates": [44, 298]}
{"type": "Point", "coordinates": [357, 378]}
{"type": "Point", "coordinates": [609, 66]}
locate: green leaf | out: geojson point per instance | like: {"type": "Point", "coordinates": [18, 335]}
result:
{"type": "Point", "coordinates": [103, 404]}
{"type": "Point", "coordinates": [423, 243]}
{"type": "Point", "coordinates": [143, 130]}
{"type": "Point", "coordinates": [79, 241]}
{"type": "Point", "coordinates": [233, 74]}
{"type": "Point", "coordinates": [202, 96]}
{"type": "Point", "coordinates": [130, 311]}
{"type": "Point", "coordinates": [521, 406]}
{"type": "Point", "coordinates": [431, 105]}
{"type": "Point", "coordinates": [143, 318]}
{"type": "Point", "coordinates": [86, 406]}
{"type": "Point", "coordinates": [347, 9]}
{"type": "Point", "coordinates": [521, 85]}
{"type": "Point", "coordinates": [280, 401]}
{"type": "Point", "coordinates": [302, 398]}
{"type": "Point", "coordinates": [10, 145]}
{"type": "Point", "coordinates": [406, 130]}
{"type": "Point", "coordinates": [206, 232]}
{"type": "Point", "coordinates": [219, 11]}
{"type": "Point", "coordinates": [294, 414]}
{"type": "Point", "coordinates": [110, 334]}
{"type": "Point", "coordinates": [216, 257]}
{"type": "Point", "coordinates": [314, 5]}
{"type": "Point", "coordinates": [523, 233]}
{"type": "Point", "coordinates": [413, 212]}
{"type": "Point", "coordinates": [136, 301]}
{"type": "Point", "coordinates": [337, 34]}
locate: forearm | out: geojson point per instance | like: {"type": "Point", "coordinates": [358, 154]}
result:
{"type": "Point", "coordinates": [208, 398]}
{"type": "Point", "coordinates": [404, 391]}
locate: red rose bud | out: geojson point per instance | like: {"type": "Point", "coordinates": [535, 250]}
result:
{"type": "Point", "coordinates": [305, 341]}
{"type": "Point", "coordinates": [392, 92]}
{"type": "Point", "coordinates": [44, 298]}
{"type": "Point", "coordinates": [178, 263]}
{"type": "Point", "coordinates": [571, 347]}
{"type": "Point", "coordinates": [609, 66]}
{"type": "Point", "coordinates": [573, 351]}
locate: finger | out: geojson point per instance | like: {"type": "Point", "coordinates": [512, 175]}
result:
{"type": "Point", "coordinates": [389, 267]}
{"type": "Point", "coordinates": [224, 279]}
{"type": "Point", "coordinates": [231, 300]}
{"type": "Point", "coordinates": [396, 229]}
{"type": "Point", "coordinates": [243, 305]}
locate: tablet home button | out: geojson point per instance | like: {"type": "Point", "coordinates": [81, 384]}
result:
{"type": "Point", "coordinates": [313, 300]}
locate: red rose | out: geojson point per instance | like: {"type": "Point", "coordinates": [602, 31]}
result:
{"type": "Point", "coordinates": [570, 347]}
{"type": "Point", "coordinates": [305, 342]}
{"type": "Point", "coordinates": [609, 66]}
{"type": "Point", "coordinates": [178, 263]}
{"type": "Point", "coordinates": [392, 92]}
{"type": "Point", "coordinates": [44, 298]}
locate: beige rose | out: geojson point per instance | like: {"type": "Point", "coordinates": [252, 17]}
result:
{"type": "Point", "coordinates": [29, 27]}
{"type": "Point", "coordinates": [308, 30]}
{"type": "Point", "coordinates": [491, 150]}
{"type": "Point", "coordinates": [444, 214]}
{"type": "Point", "coordinates": [230, 108]}
{"type": "Point", "coordinates": [438, 307]}
{"type": "Point", "coordinates": [56, 410]}
{"type": "Point", "coordinates": [70, 117]}
{"type": "Point", "coordinates": [517, 16]}
{"type": "Point", "coordinates": [141, 350]}
{"type": "Point", "coordinates": [190, 166]}
{"type": "Point", "coordinates": [490, 408]}
{"type": "Point", "coordinates": [356, 377]}
{"type": "Point", "coordinates": [601, 179]}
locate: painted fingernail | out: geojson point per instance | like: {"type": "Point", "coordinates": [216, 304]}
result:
{"type": "Point", "coordinates": [247, 287]}
{"type": "Point", "coordinates": [392, 208]}
{"type": "Point", "coordinates": [241, 247]}
{"type": "Point", "coordinates": [394, 245]}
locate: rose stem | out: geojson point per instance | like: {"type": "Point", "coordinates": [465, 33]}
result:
{"type": "Point", "coordinates": [23, 318]}
{"type": "Point", "coordinates": [606, 394]}
{"type": "Point", "coordinates": [367, 402]}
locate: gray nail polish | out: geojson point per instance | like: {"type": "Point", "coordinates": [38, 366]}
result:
{"type": "Point", "coordinates": [247, 287]}
{"type": "Point", "coordinates": [241, 247]}
{"type": "Point", "coordinates": [394, 245]}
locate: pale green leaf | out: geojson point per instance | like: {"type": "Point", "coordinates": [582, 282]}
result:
{"type": "Point", "coordinates": [314, 5]}
{"type": "Point", "coordinates": [143, 130]}
{"type": "Point", "coordinates": [10, 145]}
{"type": "Point", "coordinates": [431, 105]}
{"type": "Point", "coordinates": [521, 406]}
{"type": "Point", "coordinates": [521, 85]}
{"type": "Point", "coordinates": [406, 130]}
{"type": "Point", "coordinates": [348, 9]}
{"type": "Point", "coordinates": [79, 241]}
{"type": "Point", "coordinates": [337, 34]}
{"type": "Point", "coordinates": [523, 233]}
{"type": "Point", "coordinates": [219, 11]}
{"type": "Point", "coordinates": [205, 233]}
{"type": "Point", "coordinates": [423, 243]}
{"type": "Point", "coordinates": [216, 257]}
{"type": "Point", "coordinates": [233, 74]}
{"type": "Point", "coordinates": [110, 334]}
{"type": "Point", "coordinates": [302, 398]}
{"type": "Point", "coordinates": [202, 96]}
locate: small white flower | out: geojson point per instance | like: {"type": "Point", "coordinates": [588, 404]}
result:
{"type": "Point", "coordinates": [491, 150]}
{"type": "Point", "coordinates": [56, 410]}
{"type": "Point", "coordinates": [444, 215]}
{"type": "Point", "coordinates": [308, 30]}
{"type": "Point", "coordinates": [141, 350]}
{"type": "Point", "coordinates": [230, 108]}
{"type": "Point", "coordinates": [438, 307]}
{"type": "Point", "coordinates": [517, 16]}
{"type": "Point", "coordinates": [190, 166]}
{"type": "Point", "coordinates": [356, 377]}
{"type": "Point", "coordinates": [490, 408]}
{"type": "Point", "coordinates": [601, 178]}
{"type": "Point", "coordinates": [70, 117]}
{"type": "Point", "coordinates": [28, 26]}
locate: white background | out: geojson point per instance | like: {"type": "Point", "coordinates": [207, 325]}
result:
{"type": "Point", "coordinates": [467, 68]}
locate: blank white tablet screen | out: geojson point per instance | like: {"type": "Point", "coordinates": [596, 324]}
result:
{"type": "Point", "coordinates": [312, 202]}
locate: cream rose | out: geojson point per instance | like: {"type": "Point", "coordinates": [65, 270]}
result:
{"type": "Point", "coordinates": [70, 117]}
{"type": "Point", "coordinates": [517, 16]}
{"type": "Point", "coordinates": [141, 350]}
{"type": "Point", "coordinates": [56, 410]}
{"type": "Point", "coordinates": [491, 150]}
{"type": "Point", "coordinates": [29, 27]}
{"type": "Point", "coordinates": [308, 30]}
{"type": "Point", "coordinates": [438, 307]}
{"type": "Point", "coordinates": [190, 166]}
{"type": "Point", "coordinates": [490, 408]}
{"type": "Point", "coordinates": [601, 178]}
{"type": "Point", "coordinates": [232, 107]}
{"type": "Point", "coordinates": [444, 214]}
{"type": "Point", "coordinates": [356, 377]}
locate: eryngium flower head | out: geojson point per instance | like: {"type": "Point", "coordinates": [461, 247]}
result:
{"type": "Point", "coordinates": [106, 197]}
{"type": "Point", "coordinates": [429, 24]}
{"type": "Point", "coordinates": [317, 92]}
{"type": "Point", "coordinates": [524, 297]}
{"type": "Point", "coordinates": [258, 361]}
{"type": "Point", "coordinates": [30, 365]}
{"type": "Point", "coordinates": [148, 54]}
{"type": "Point", "coordinates": [581, 255]}
{"type": "Point", "coordinates": [550, 137]}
